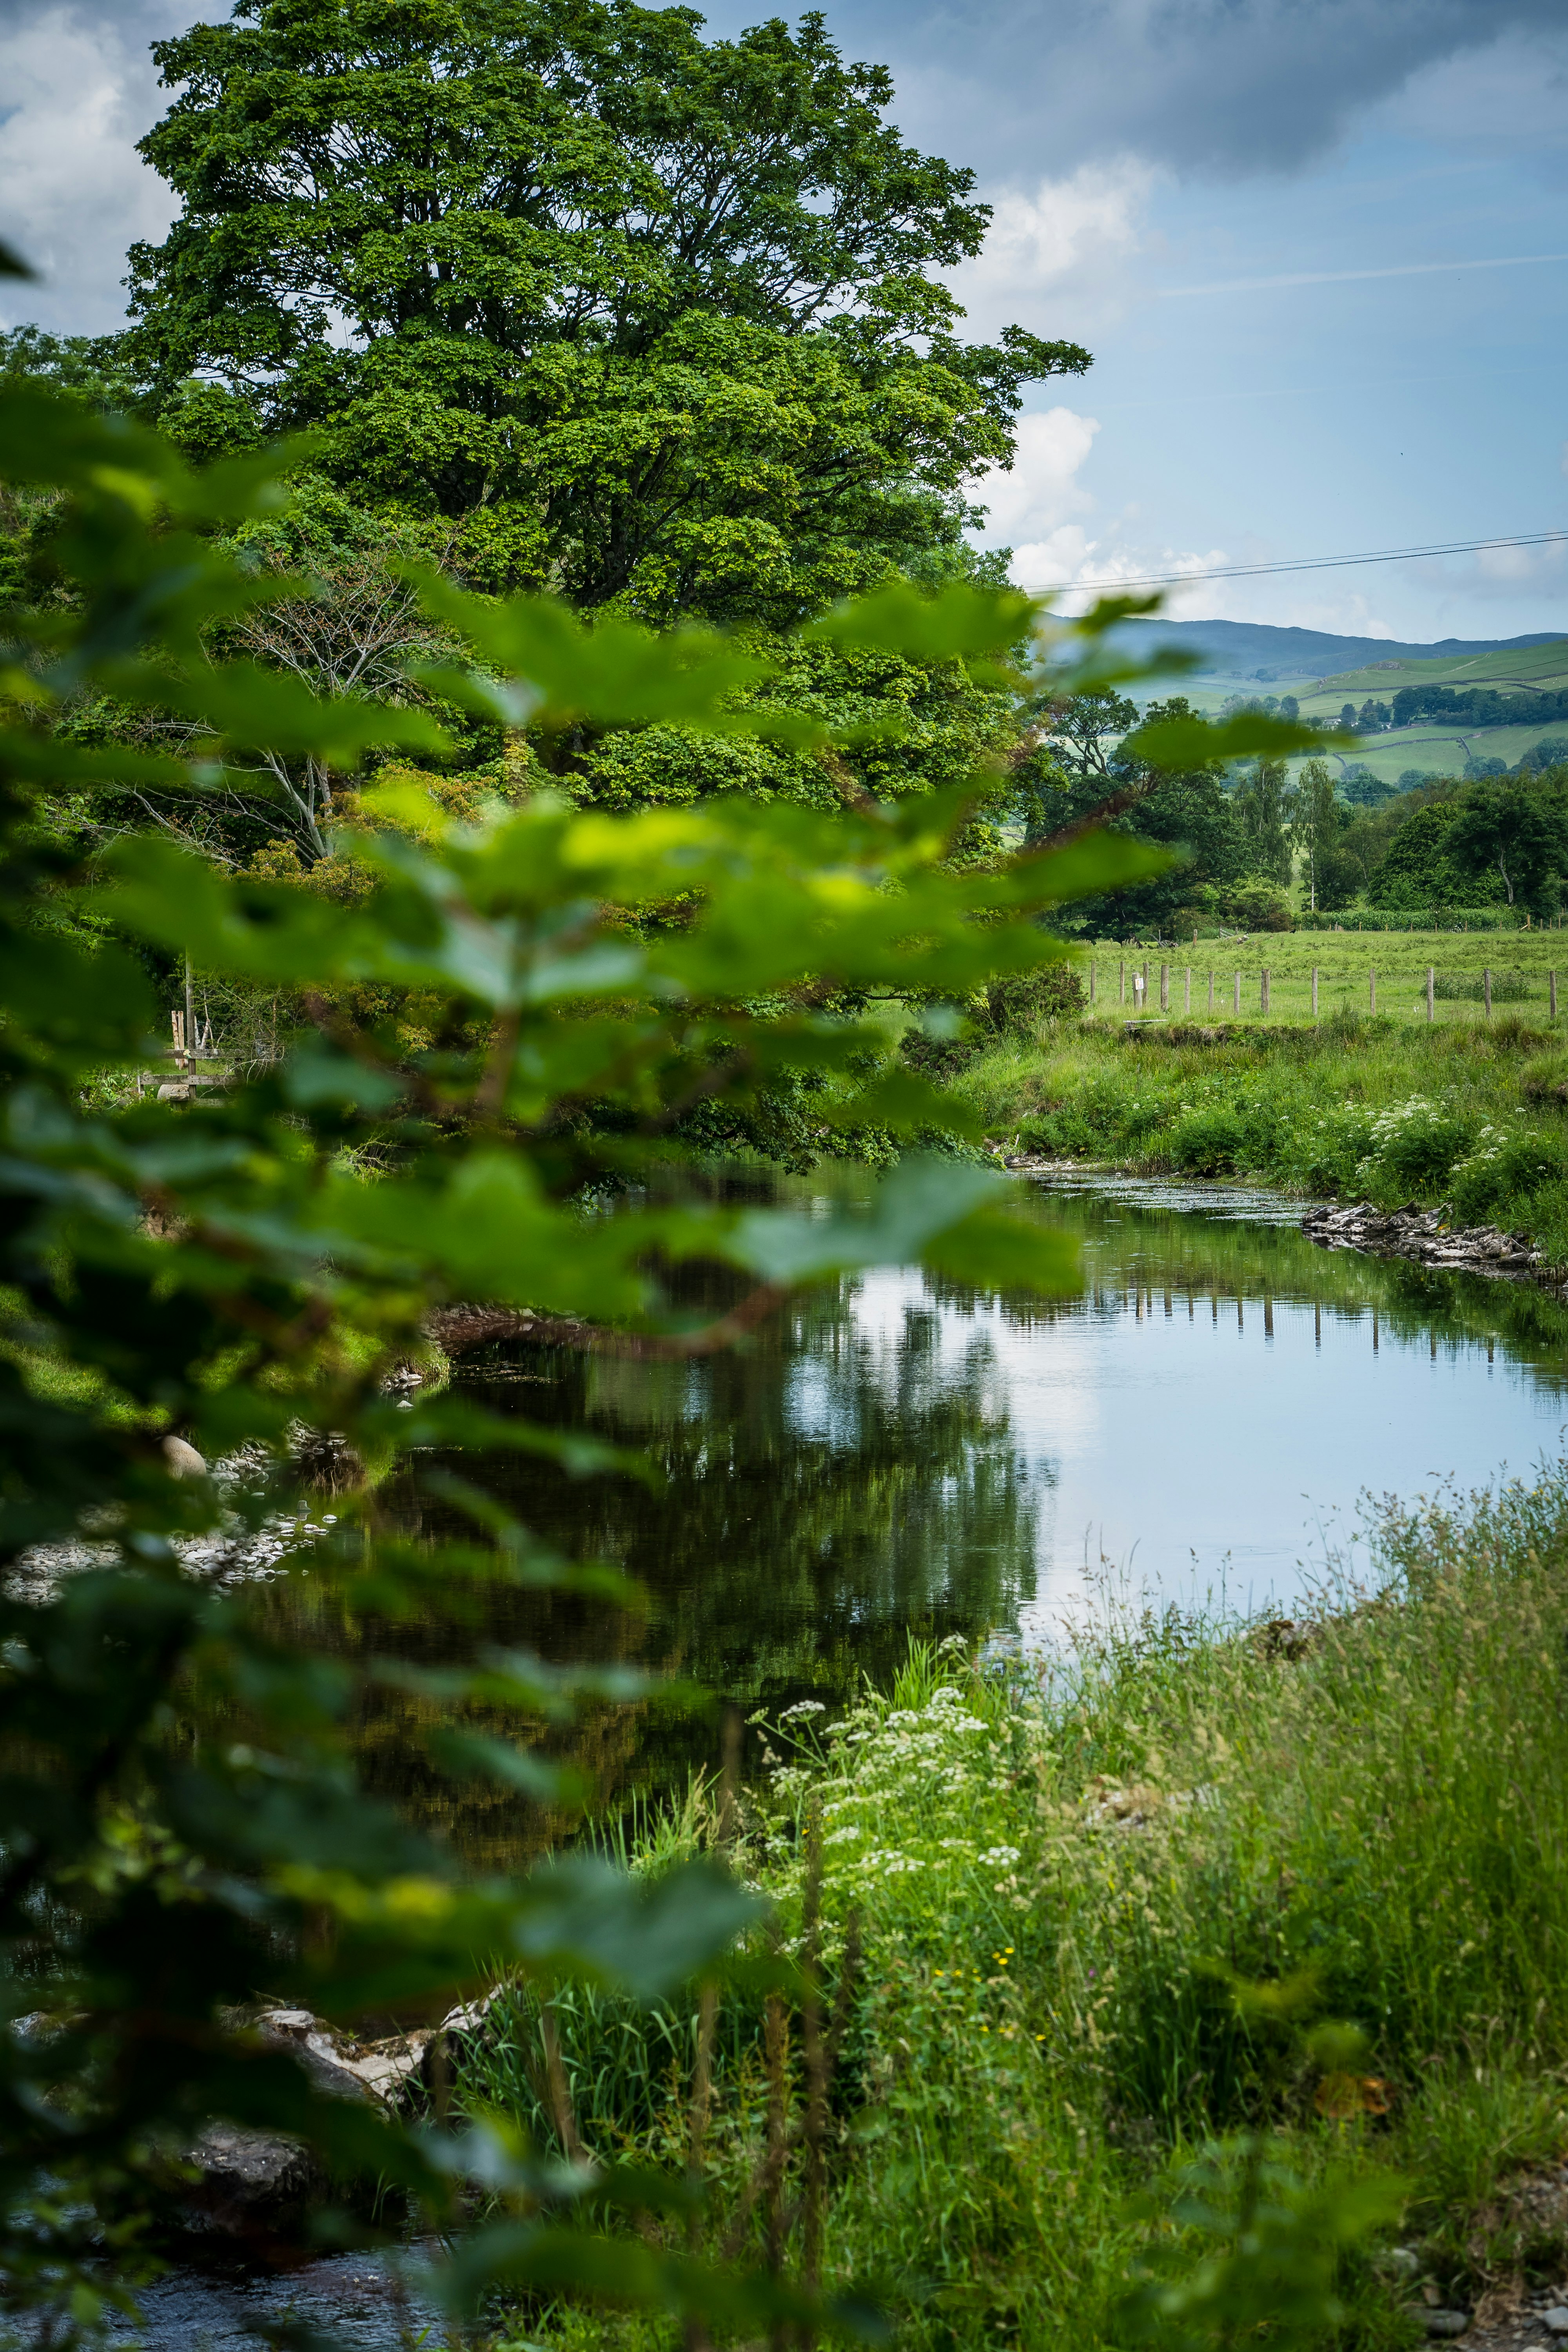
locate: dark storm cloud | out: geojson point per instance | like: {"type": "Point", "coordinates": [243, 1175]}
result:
{"type": "Point", "coordinates": [1018, 89]}
{"type": "Point", "coordinates": [1025, 87]}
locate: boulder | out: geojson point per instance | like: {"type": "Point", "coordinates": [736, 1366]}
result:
{"type": "Point", "coordinates": [252, 2185]}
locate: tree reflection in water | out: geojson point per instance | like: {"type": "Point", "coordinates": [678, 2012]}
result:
{"type": "Point", "coordinates": [818, 1496]}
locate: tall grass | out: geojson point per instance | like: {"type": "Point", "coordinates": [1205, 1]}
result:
{"type": "Point", "coordinates": [1356, 1109]}
{"type": "Point", "coordinates": [1059, 1869]}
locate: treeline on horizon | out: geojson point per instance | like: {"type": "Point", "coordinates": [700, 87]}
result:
{"type": "Point", "coordinates": [1258, 846]}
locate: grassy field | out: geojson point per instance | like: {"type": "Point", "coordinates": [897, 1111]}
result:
{"type": "Point", "coordinates": [1438, 747]}
{"type": "Point", "coordinates": [1081, 1918]}
{"type": "Point", "coordinates": [1522, 964]}
{"type": "Point", "coordinates": [1465, 1113]}
{"type": "Point", "coordinates": [1441, 751]}
{"type": "Point", "coordinates": [1520, 668]}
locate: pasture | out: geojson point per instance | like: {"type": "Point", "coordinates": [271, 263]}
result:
{"type": "Point", "coordinates": [1348, 964]}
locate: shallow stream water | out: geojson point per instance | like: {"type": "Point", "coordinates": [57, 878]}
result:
{"type": "Point", "coordinates": [1205, 1425]}
{"type": "Point", "coordinates": [1203, 1422]}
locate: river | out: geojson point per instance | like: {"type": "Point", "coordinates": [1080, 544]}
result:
{"type": "Point", "coordinates": [1199, 1427]}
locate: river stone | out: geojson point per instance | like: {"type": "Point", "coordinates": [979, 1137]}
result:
{"type": "Point", "coordinates": [1556, 2319]}
{"type": "Point", "coordinates": [344, 2068]}
{"type": "Point", "coordinates": [1421, 1234]}
{"type": "Point", "coordinates": [1446, 2323]}
{"type": "Point", "coordinates": [253, 2184]}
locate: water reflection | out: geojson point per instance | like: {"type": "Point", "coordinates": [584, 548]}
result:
{"type": "Point", "coordinates": [901, 1454]}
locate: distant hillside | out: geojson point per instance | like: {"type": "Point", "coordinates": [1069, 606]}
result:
{"type": "Point", "coordinates": [1251, 649]}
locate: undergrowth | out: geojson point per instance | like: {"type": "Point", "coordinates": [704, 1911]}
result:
{"type": "Point", "coordinates": [1471, 1118]}
{"type": "Point", "coordinates": [1043, 1887]}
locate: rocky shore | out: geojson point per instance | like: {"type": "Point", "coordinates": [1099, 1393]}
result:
{"type": "Point", "coordinates": [1423, 1236]}
{"type": "Point", "coordinates": [251, 2186]}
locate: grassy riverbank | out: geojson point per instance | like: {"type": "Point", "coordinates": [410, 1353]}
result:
{"type": "Point", "coordinates": [1039, 1887]}
{"type": "Point", "coordinates": [1358, 1109]}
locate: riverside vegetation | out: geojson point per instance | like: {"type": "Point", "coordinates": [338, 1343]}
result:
{"type": "Point", "coordinates": [483, 1062]}
{"type": "Point", "coordinates": [1473, 1115]}
{"type": "Point", "coordinates": [1109, 1922]}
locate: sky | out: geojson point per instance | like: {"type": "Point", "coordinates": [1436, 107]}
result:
{"type": "Point", "coordinates": [1317, 247]}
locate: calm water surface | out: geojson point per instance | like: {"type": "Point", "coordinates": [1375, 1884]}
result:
{"type": "Point", "coordinates": [1205, 1422]}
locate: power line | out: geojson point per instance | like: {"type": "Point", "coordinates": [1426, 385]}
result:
{"type": "Point", "coordinates": [1312, 564]}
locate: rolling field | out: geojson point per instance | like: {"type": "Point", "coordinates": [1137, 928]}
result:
{"type": "Point", "coordinates": [1520, 962]}
{"type": "Point", "coordinates": [1542, 667]}
{"type": "Point", "coordinates": [1443, 750]}
{"type": "Point", "coordinates": [1439, 747]}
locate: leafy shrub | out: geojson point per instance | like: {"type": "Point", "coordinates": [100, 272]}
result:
{"type": "Point", "coordinates": [1258, 904]}
{"type": "Point", "coordinates": [1211, 1142]}
{"type": "Point", "coordinates": [1413, 1144]}
{"type": "Point", "coordinates": [1019, 1002]}
{"type": "Point", "coordinates": [223, 1272]}
{"type": "Point", "coordinates": [1508, 987]}
{"type": "Point", "coordinates": [1503, 1162]}
{"type": "Point", "coordinates": [1326, 1156]}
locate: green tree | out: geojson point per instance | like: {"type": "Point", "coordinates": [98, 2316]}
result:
{"type": "Point", "coordinates": [1411, 863]}
{"type": "Point", "coordinates": [1314, 820]}
{"type": "Point", "coordinates": [1517, 833]}
{"type": "Point", "coordinates": [1097, 753]}
{"type": "Point", "coordinates": [650, 319]}
{"type": "Point", "coordinates": [1262, 809]}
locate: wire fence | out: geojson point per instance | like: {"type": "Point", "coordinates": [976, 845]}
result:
{"type": "Point", "coordinates": [1213, 991]}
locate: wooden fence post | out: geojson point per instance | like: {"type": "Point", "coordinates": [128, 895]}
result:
{"type": "Point", "coordinates": [1314, 991]}
{"type": "Point", "coordinates": [1551, 978]}
{"type": "Point", "coordinates": [1091, 982]}
{"type": "Point", "coordinates": [1165, 988]}
{"type": "Point", "coordinates": [1188, 990]}
{"type": "Point", "coordinates": [1431, 990]}
{"type": "Point", "coordinates": [1211, 991]}
{"type": "Point", "coordinates": [1236, 999]}
{"type": "Point", "coordinates": [1263, 994]}
{"type": "Point", "coordinates": [1487, 988]}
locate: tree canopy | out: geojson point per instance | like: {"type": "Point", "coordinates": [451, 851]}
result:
{"type": "Point", "coordinates": [1097, 754]}
{"type": "Point", "coordinates": [644, 317]}
{"type": "Point", "coordinates": [1518, 833]}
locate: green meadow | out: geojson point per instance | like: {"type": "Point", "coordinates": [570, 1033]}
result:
{"type": "Point", "coordinates": [1084, 1942]}
{"type": "Point", "coordinates": [1466, 1112]}
{"type": "Point", "coordinates": [1347, 963]}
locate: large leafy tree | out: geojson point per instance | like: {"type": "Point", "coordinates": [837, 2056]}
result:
{"type": "Point", "coordinates": [643, 316]}
{"type": "Point", "coordinates": [1099, 752]}
{"type": "Point", "coordinates": [1263, 807]}
{"type": "Point", "coordinates": [1518, 833]}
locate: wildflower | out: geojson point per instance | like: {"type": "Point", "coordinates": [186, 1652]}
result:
{"type": "Point", "coordinates": [804, 1706]}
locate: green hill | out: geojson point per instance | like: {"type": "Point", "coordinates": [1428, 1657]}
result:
{"type": "Point", "coordinates": [1275, 657]}
{"type": "Point", "coordinates": [1522, 672]}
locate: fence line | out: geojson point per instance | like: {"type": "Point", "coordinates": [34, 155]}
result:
{"type": "Point", "coordinates": [1484, 988]}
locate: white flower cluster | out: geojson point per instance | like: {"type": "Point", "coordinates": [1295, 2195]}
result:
{"type": "Point", "coordinates": [999, 1857]}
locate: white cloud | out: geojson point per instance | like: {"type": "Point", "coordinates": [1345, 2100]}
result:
{"type": "Point", "coordinates": [1042, 490]}
{"type": "Point", "coordinates": [1064, 237]}
{"type": "Point", "coordinates": [73, 192]}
